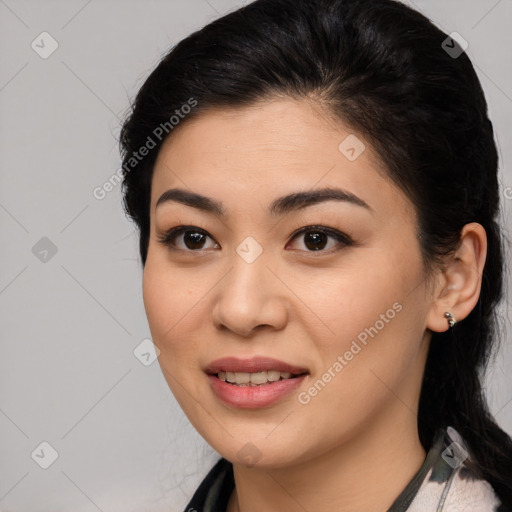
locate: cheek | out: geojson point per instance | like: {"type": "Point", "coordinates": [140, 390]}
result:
{"type": "Point", "coordinates": [373, 313]}
{"type": "Point", "coordinates": [157, 301]}
{"type": "Point", "coordinates": [173, 316]}
{"type": "Point", "coordinates": [378, 324]}
{"type": "Point", "coordinates": [351, 299]}
{"type": "Point", "coordinates": [171, 307]}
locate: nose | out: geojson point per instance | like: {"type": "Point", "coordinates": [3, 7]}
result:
{"type": "Point", "coordinates": [250, 297]}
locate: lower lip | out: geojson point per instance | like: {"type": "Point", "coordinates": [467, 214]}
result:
{"type": "Point", "coordinates": [254, 397]}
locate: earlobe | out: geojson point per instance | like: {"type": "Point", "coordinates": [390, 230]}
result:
{"type": "Point", "coordinates": [450, 318]}
{"type": "Point", "coordinates": [460, 280]}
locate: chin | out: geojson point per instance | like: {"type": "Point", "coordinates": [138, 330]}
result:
{"type": "Point", "coordinates": [260, 453]}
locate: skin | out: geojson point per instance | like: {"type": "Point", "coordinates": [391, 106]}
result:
{"type": "Point", "coordinates": [354, 446]}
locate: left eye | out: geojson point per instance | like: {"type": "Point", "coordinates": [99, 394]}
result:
{"type": "Point", "coordinates": [315, 238]}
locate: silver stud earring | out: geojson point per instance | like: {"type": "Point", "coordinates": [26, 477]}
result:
{"type": "Point", "coordinates": [450, 318]}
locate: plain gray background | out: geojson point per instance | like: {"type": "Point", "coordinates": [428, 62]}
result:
{"type": "Point", "coordinates": [70, 321]}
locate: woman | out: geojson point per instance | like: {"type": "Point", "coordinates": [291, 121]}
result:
{"type": "Point", "coordinates": [315, 185]}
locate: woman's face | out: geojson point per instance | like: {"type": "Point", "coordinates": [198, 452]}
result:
{"type": "Point", "coordinates": [331, 290]}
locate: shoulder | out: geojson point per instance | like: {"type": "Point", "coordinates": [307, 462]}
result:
{"type": "Point", "coordinates": [470, 493]}
{"type": "Point", "coordinates": [453, 483]}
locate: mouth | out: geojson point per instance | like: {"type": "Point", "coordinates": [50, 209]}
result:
{"type": "Point", "coordinates": [253, 383]}
{"type": "Point", "coordinates": [256, 371]}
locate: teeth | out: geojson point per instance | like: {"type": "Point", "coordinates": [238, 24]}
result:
{"type": "Point", "coordinates": [230, 376]}
{"type": "Point", "coordinates": [253, 379]}
{"type": "Point", "coordinates": [256, 378]}
{"type": "Point", "coordinates": [273, 375]}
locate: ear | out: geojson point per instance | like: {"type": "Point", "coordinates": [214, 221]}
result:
{"type": "Point", "coordinates": [458, 283]}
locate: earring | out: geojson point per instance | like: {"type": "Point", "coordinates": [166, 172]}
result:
{"type": "Point", "coordinates": [451, 319]}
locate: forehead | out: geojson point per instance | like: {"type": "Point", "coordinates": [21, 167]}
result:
{"type": "Point", "coordinates": [252, 154]}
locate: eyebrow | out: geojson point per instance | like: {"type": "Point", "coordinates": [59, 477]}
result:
{"type": "Point", "coordinates": [279, 206]}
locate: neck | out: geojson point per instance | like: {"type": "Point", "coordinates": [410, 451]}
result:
{"type": "Point", "coordinates": [366, 473]}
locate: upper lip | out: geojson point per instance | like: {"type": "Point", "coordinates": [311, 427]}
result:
{"type": "Point", "coordinates": [252, 365]}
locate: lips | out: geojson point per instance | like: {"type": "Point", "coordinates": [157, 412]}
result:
{"type": "Point", "coordinates": [250, 394]}
{"type": "Point", "coordinates": [253, 365]}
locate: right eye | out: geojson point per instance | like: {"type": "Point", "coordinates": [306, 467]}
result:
{"type": "Point", "coordinates": [193, 239]}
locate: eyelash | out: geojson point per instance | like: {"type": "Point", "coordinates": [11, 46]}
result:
{"type": "Point", "coordinates": [343, 240]}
